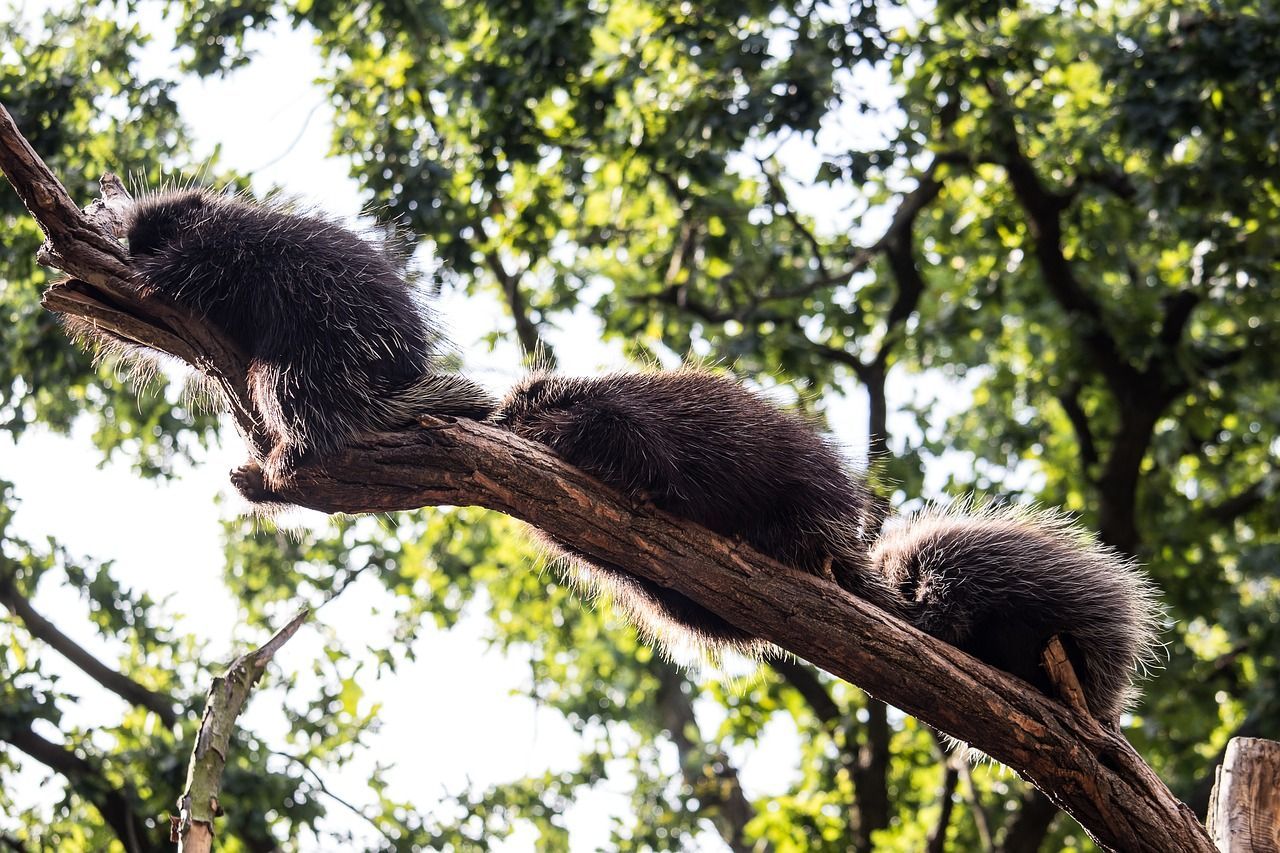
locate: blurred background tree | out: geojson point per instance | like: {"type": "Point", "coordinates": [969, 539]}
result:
{"type": "Point", "coordinates": [1028, 239]}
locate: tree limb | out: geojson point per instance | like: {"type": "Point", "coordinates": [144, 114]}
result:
{"type": "Point", "coordinates": [1255, 494]}
{"type": "Point", "coordinates": [937, 842]}
{"type": "Point", "coordinates": [116, 806]}
{"type": "Point", "coordinates": [1026, 832]}
{"type": "Point", "coordinates": [1090, 771]}
{"type": "Point", "coordinates": [709, 775]}
{"type": "Point", "coordinates": [1070, 402]}
{"type": "Point", "coordinates": [121, 685]}
{"type": "Point", "coordinates": [192, 829]}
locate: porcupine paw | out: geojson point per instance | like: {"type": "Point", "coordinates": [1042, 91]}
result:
{"type": "Point", "coordinates": [250, 482]}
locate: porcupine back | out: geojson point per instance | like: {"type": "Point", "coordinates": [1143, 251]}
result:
{"type": "Point", "coordinates": [998, 583]}
{"type": "Point", "coordinates": [706, 449]}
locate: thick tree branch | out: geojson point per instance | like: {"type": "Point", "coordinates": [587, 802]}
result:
{"type": "Point", "coordinates": [1090, 771]}
{"type": "Point", "coordinates": [116, 806]}
{"type": "Point", "coordinates": [121, 685]}
{"type": "Point", "coordinates": [1178, 309]}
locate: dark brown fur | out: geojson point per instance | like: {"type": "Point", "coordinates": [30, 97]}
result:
{"type": "Point", "coordinates": [996, 583]}
{"type": "Point", "coordinates": [703, 447]}
{"type": "Point", "coordinates": [339, 342]}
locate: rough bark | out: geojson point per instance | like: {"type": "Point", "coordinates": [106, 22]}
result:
{"type": "Point", "coordinates": [1090, 771]}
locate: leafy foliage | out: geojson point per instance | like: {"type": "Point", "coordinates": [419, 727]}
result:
{"type": "Point", "coordinates": [1061, 220]}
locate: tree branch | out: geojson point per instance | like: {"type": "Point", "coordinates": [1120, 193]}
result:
{"type": "Point", "coordinates": [937, 842]}
{"type": "Point", "coordinates": [779, 193]}
{"type": "Point", "coordinates": [88, 781]}
{"type": "Point", "coordinates": [1244, 501]}
{"type": "Point", "coordinates": [978, 811]}
{"type": "Point", "coordinates": [192, 829]}
{"type": "Point", "coordinates": [1044, 214]}
{"type": "Point", "coordinates": [526, 330]}
{"type": "Point", "coordinates": [1090, 771]}
{"type": "Point", "coordinates": [121, 685]}
{"type": "Point", "coordinates": [1178, 309]}
{"type": "Point", "coordinates": [709, 775]}
{"type": "Point", "coordinates": [1030, 825]}
{"type": "Point", "coordinates": [12, 843]}
{"type": "Point", "coordinates": [1070, 401]}
{"type": "Point", "coordinates": [804, 679]}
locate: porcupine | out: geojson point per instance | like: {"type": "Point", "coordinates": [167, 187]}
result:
{"type": "Point", "coordinates": [702, 447]}
{"type": "Point", "coordinates": [338, 341]}
{"type": "Point", "coordinates": [995, 583]}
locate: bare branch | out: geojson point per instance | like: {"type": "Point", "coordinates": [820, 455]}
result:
{"type": "Point", "coordinates": [318, 781]}
{"type": "Point", "coordinates": [192, 829]}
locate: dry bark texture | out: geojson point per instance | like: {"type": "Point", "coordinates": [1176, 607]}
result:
{"type": "Point", "coordinates": [1091, 772]}
{"type": "Point", "coordinates": [1244, 812]}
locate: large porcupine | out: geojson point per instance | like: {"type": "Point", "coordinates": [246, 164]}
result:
{"type": "Point", "coordinates": [337, 340]}
{"type": "Point", "coordinates": [997, 584]}
{"type": "Point", "coordinates": [704, 448]}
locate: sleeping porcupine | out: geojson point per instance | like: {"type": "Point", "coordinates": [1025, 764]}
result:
{"type": "Point", "coordinates": [995, 583]}
{"type": "Point", "coordinates": [336, 339]}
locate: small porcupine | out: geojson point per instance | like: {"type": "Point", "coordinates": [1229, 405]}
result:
{"type": "Point", "coordinates": [997, 584]}
{"type": "Point", "coordinates": [337, 340]}
{"type": "Point", "coordinates": [702, 447]}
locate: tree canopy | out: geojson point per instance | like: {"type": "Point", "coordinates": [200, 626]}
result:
{"type": "Point", "coordinates": [1058, 214]}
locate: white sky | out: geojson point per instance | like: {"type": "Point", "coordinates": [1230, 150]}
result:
{"type": "Point", "coordinates": [165, 538]}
